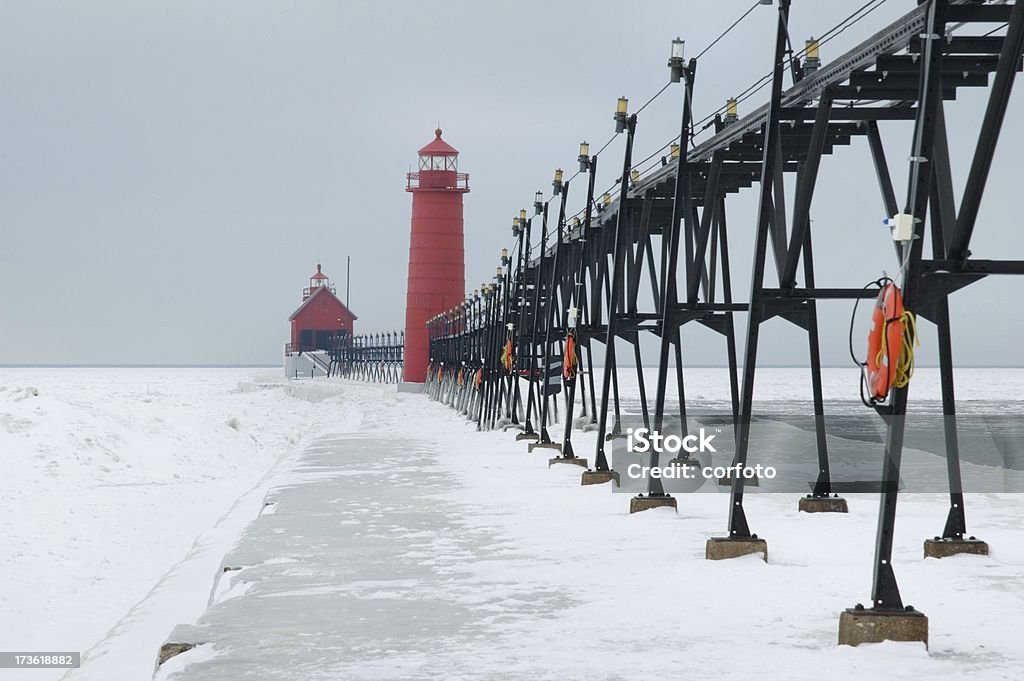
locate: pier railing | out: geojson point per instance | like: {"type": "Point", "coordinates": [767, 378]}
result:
{"type": "Point", "coordinates": [374, 357]}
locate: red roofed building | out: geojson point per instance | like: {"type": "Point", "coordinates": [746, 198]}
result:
{"type": "Point", "coordinates": [320, 317]}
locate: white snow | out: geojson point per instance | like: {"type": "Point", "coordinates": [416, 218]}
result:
{"type": "Point", "coordinates": [112, 476]}
{"type": "Point", "coordinates": [125, 488]}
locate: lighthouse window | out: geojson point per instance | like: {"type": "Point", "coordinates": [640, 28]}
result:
{"type": "Point", "coordinates": [437, 162]}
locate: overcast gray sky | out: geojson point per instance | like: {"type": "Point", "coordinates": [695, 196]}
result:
{"type": "Point", "coordinates": [171, 172]}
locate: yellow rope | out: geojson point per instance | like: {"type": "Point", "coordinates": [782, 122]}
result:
{"type": "Point", "coordinates": [905, 365]}
{"type": "Point", "coordinates": [905, 362]}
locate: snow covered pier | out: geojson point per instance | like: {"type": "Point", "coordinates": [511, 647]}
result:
{"type": "Point", "coordinates": [408, 545]}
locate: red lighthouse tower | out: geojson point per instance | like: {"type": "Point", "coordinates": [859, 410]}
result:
{"type": "Point", "coordinates": [437, 268]}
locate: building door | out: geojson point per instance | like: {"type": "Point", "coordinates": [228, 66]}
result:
{"type": "Point", "coordinates": [305, 339]}
{"type": "Point", "coordinates": [323, 340]}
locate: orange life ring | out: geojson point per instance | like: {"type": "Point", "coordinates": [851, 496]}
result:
{"type": "Point", "coordinates": [887, 320]}
{"type": "Point", "coordinates": [569, 358]}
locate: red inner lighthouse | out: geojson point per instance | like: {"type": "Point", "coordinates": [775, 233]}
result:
{"type": "Point", "coordinates": [437, 274]}
{"type": "Point", "coordinates": [321, 318]}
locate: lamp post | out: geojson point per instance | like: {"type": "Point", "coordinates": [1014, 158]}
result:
{"type": "Point", "coordinates": [519, 294]}
{"type": "Point", "coordinates": [626, 122]}
{"type": "Point", "coordinates": [668, 297]}
{"type": "Point", "coordinates": [506, 290]}
{"type": "Point", "coordinates": [551, 318]}
{"type": "Point", "coordinates": [575, 295]}
{"type": "Point", "coordinates": [528, 432]}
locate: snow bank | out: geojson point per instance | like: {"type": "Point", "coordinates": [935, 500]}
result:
{"type": "Point", "coordinates": [113, 476]}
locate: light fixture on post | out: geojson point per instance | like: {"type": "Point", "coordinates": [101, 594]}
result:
{"type": "Point", "coordinates": [575, 222]}
{"type": "Point", "coordinates": [538, 203]}
{"type": "Point", "coordinates": [675, 60]}
{"type": "Point", "coordinates": [606, 199]}
{"type": "Point", "coordinates": [634, 176]}
{"type": "Point", "coordinates": [812, 62]}
{"type": "Point", "coordinates": [498, 274]}
{"type": "Point", "coordinates": [557, 182]}
{"type": "Point", "coordinates": [673, 153]}
{"type": "Point", "coordinates": [584, 157]}
{"type": "Point", "coordinates": [522, 217]}
{"type": "Point", "coordinates": [504, 256]}
{"type": "Point", "coordinates": [515, 227]}
{"type": "Point", "coordinates": [731, 111]}
{"type": "Point", "coordinates": [621, 109]}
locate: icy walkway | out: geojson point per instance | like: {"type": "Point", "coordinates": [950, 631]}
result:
{"type": "Point", "coordinates": [414, 547]}
{"type": "Point", "coordinates": [352, 567]}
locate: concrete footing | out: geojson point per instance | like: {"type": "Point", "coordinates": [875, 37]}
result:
{"type": "Point", "coordinates": [544, 445]}
{"type": "Point", "coordinates": [723, 548]}
{"type": "Point", "coordinates": [589, 427]}
{"type": "Point", "coordinates": [823, 505]}
{"type": "Point", "coordinates": [527, 436]}
{"type": "Point", "coordinates": [860, 625]}
{"type": "Point", "coordinates": [599, 477]}
{"type": "Point", "coordinates": [511, 426]}
{"type": "Point", "coordinates": [943, 548]}
{"type": "Point", "coordinates": [642, 503]}
{"type": "Point", "coordinates": [171, 649]}
{"type": "Point", "coordinates": [614, 436]}
{"type": "Point", "coordinates": [411, 387]}
{"type": "Point", "coordinates": [575, 460]}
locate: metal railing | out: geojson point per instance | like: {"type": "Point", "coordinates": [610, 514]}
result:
{"type": "Point", "coordinates": [374, 357]}
{"type": "Point", "coordinates": [437, 179]}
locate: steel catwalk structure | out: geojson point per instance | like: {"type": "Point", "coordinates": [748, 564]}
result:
{"type": "Point", "coordinates": [656, 256]}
